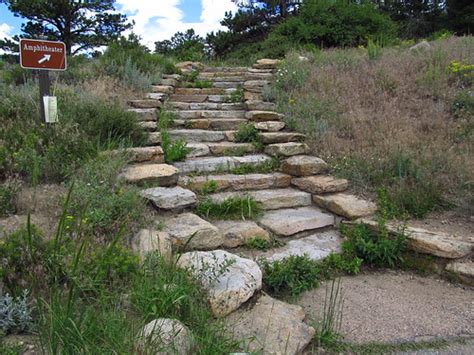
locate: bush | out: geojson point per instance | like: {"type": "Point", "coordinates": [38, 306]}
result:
{"type": "Point", "coordinates": [107, 205]}
{"type": "Point", "coordinates": [15, 313]}
{"type": "Point", "coordinates": [375, 249]}
{"type": "Point", "coordinates": [248, 133]}
{"type": "Point", "coordinates": [52, 152]}
{"type": "Point", "coordinates": [8, 191]}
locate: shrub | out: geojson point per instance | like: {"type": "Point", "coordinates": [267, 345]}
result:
{"type": "Point", "coordinates": [230, 208]}
{"type": "Point", "coordinates": [248, 133]}
{"type": "Point", "coordinates": [15, 313]}
{"type": "Point", "coordinates": [107, 205]}
{"type": "Point", "coordinates": [52, 152]}
{"type": "Point", "coordinates": [292, 275]}
{"type": "Point", "coordinates": [174, 151]}
{"type": "Point", "coordinates": [376, 249]}
{"type": "Point", "coordinates": [257, 243]}
{"type": "Point", "coordinates": [8, 191]}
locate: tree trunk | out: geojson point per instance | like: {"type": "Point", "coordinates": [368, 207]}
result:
{"type": "Point", "coordinates": [283, 8]}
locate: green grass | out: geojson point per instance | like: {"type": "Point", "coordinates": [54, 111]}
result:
{"type": "Point", "coordinates": [262, 168]}
{"type": "Point", "coordinates": [209, 187]}
{"type": "Point", "coordinates": [258, 243]}
{"type": "Point", "coordinates": [173, 151]}
{"type": "Point", "coordinates": [247, 133]}
{"type": "Point", "coordinates": [231, 208]}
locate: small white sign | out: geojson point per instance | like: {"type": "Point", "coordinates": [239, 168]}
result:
{"type": "Point", "coordinates": [50, 109]}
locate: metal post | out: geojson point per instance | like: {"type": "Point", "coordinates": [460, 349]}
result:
{"type": "Point", "coordinates": [44, 85]}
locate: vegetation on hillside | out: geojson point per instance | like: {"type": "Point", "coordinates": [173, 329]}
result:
{"type": "Point", "coordinates": [399, 123]}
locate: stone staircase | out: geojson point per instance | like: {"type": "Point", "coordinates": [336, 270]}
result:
{"type": "Point", "coordinates": [302, 205]}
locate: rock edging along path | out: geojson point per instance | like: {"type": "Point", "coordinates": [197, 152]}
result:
{"type": "Point", "coordinates": [302, 204]}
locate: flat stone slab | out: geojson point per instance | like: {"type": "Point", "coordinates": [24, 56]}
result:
{"type": "Point", "coordinates": [270, 199]}
{"type": "Point", "coordinates": [270, 126]}
{"type": "Point", "coordinates": [229, 279]}
{"type": "Point", "coordinates": [304, 165]}
{"type": "Point", "coordinates": [213, 164]}
{"type": "Point", "coordinates": [140, 154]}
{"type": "Point", "coordinates": [198, 150]}
{"type": "Point", "coordinates": [208, 114]}
{"type": "Point", "coordinates": [193, 91]}
{"type": "Point", "coordinates": [287, 149]}
{"type": "Point", "coordinates": [165, 336]}
{"type": "Point", "coordinates": [282, 137]}
{"type": "Point", "coordinates": [349, 206]}
{"type": "Point", "coordinates": [148, 103]}
{"type": "Point", "coordinates": [148, 125]}
{"type": "Point", "coordinates": [262, 116]}
{"type": "Point", "coordinates": [288, 222]}
{"type": "Point", "coordinates": [463, 269]}
{"type": "Point", "coordinates": [192, 231]}
{"type": "Point", "coordinates": [145, 114]}
{"type": "Point", "coordinates": [321, 184]}
{"type": "Point", "coordinates": [271, 327]}
{"type": "Point", "coordinates": [161, 174]}
{"type": "Point", "coordinates": [439, 244]}
{"type": "Point", "coordinates": [237, 233]}
{"type": "Point", "coordinates": [316, 247]}
{"type": "Point", "coordinates": [231, 148]}
{"type": "Point", "coordinates": [162, 89]}
{"type": "Point", "coordinates": [254, 105]}
{"type": "Point", "coordinates": [148, 240]}
{"type": "Point", "coordinates": [197, 135]}
{"type": "Point", "coordinates": [170, 198]}
{"type": "Point", "coordinates": [188, 98]}
{"type": "Point", "coordinates": [207, 106]}
{"type": "Point", "coordinates": [237, 182]}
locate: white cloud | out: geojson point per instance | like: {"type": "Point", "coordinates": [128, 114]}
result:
{"type": "Point", "coordinates": [160, 19]}
{"type": "Point", "coordinates": [5, 30]}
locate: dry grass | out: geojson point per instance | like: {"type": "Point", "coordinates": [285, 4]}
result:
{"type": "Point", "coordinates": [389, 121]}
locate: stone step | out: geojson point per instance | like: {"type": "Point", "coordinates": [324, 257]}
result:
{"type": "Point", "coordinates": [464, 270]}
{"type": "Point", "coordinates": [227, 84]}
{"type": "Point", "coordinates": [162, 89]}
{"type": "Point", "coordinates": [160, 174]}
{"type": "Point", "coordinates": [220, 79]}
{"type": "Point", "coordinates": [194, 114]}
{"type": "Point", "coordinates": [442, 245]}
{"type": "Point", "coordinates": [270, 199]}
{"type": "Point", "coordinates": [256, 86]}
{"type": "Point", "coordinates": [189, 135]}
{"type": "Point", "coordinates": [225, 70]}
{"type": "Point", "coordinates": [288, 222]}
{"type": "Point", "coordinates": [193, 232]}
{"type": "Point", "coordinates": [267, 64]}
{"type": "Point", "coordinates": [282, 137]}
{"type": "Point", "coordinates": [254, 105]}
{"type": "Point", "coordinates": [147, 103]}
{"type": "Point", "coordinates": [262, 116]}
{"type": "Point", "coordinates": [148, 126]}
{"type": "Point", "coordinates": [145, 114]}
{"type": "Point", "coordinates": [199, 98]}
{"type": "Point", "coordinates": [219, 164]}
{"type": "Point", "coordinates": [220, 149]}
{"type": "Point", "coordinates": [205, 91]}
{"type": "Point", "coordinates": [237, 233]}
{"type": "Point", "coordinates": [220, 74]}
{"type": "Point", "coordinates": [156, 96]}
{"type": "Point", "coordinates": [304, 165]}
{"type": "Point", "coordinates": [139, 154]}
{"type": "Point", "coordinates": [320, 184]}
{"type": "Point", "coordinates": [169, 82]}
{"type": "Point", "coordinates": [186, 106]}
{"type": "Point", "coordinates": [270, 126]}
{"type": "Point", "coordinates": [236, 182]}
{"type": "Point", "coordinates": [346, 205]}
{"type": "Point", "coordinates": [316, 247]}
{"type": "Point", "coordinates": [287, 149]}
{"type": "Point", "coordinates": [170, 198]}
{"type": "Point", "coordinates": [217, 124]}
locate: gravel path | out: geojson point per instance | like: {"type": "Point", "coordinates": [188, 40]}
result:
{"type": "Point", "coordinates": [395, 307]}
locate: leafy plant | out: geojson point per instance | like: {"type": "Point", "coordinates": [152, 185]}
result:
{"type": "Point", "coordinates": [377, 249]}
{"type": "Point", "coordinates": [235, 96]}
{"type": "Point", "coordinates": [231, 208]}
{"type": "Point", "coordinates": [174, 151]}
{"type": "Point", "coordinates": [209, 187]}
{"type": "Point", "coordinates": [15, 313]}
{"type": "Point", "coordinates": [248, 133]}
{"type": "Point", "coordinates": [258, 243]}
{"type": "Point", "coordinates": [262, 168]}
{"type": "Point", "coordinates": [7, 195]}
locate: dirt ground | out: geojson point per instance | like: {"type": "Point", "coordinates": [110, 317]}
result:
{"type": "Point", "coordinates": [452, 222]}
{"type": "Point", "coordinates": [393, 307]}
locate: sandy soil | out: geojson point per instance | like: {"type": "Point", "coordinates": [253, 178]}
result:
{"type": "Point", "coordinates": [393, 307]}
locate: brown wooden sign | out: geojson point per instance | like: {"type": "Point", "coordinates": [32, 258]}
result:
{"type": "Point", "coordinates": [39, 54]}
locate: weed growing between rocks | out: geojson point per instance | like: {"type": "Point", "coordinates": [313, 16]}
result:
{"type": "Point", "coordinates": [174, 151]}
{"type": "Point", "coordinates": [231, 208]}
{"type": "Point", "coordinates": [262, 168]}
{"type": "Point", "coordinates": [248, 133]}
{"type": "Point", "coordinates": [328, 329]}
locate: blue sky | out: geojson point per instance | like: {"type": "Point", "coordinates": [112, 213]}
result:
{"type": "Point", "coordinates": [154, 19]}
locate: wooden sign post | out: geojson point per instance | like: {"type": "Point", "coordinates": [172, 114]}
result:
{"type": "Point", "coordinates": [43, 56]}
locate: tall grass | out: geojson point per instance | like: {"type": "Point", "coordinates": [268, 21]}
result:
{"type": "Point", "coordinates": [399, 121]}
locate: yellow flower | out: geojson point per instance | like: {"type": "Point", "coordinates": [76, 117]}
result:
{"type": "Point", "coordinates": [292, 101]}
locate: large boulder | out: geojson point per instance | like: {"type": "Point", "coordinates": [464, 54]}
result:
{"type": "Point", "coordinates": [229, 279]}
{"type": "Point", "coordinates": [149, 240]}
{"type": "Point", "coordinates": [271, 327]}
{"type": "Point", "coordinates": [165, 336]}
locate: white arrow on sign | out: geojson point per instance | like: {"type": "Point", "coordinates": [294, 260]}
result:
{"type": "Point", "coordinates": [46, 58]}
